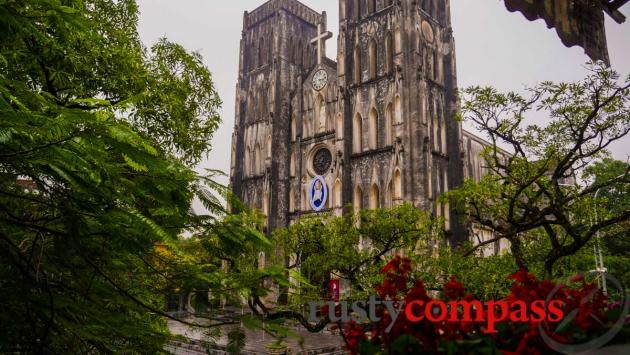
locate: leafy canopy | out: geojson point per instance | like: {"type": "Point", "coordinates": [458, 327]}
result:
{"type": "Point", "coordinates": [97, 139]}
{"type": "Point", "coordinates": [532, 189]}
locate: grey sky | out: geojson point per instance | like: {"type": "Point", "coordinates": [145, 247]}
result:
{"type": "Point", "coordinates": [494, 47]}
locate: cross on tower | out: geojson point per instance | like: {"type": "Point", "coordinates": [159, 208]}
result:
{"type": "Point", "coordinates": [322, 36]}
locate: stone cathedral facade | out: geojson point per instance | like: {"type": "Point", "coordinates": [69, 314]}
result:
{"type": "Point", "coordinates": [377, 123]}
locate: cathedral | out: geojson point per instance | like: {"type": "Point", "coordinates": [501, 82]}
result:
{"type": "Point", "coordinates": [372, 128]}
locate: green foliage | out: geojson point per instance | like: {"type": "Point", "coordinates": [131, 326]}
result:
{"type": "Point", "coordinates": [485, 277]}
{"type": "Point", "coordinates": [613, 200]}
{"type": "Point", "coordinates": [236, 341]}
{"type": "Point", "coordinates": [531, 190]}
{"type": "Point", "coordinates": [97, 139]}
{"type": "Point", "coordinates": [88, 55]}
{"type": "Point", "coordinates": [353, 248]}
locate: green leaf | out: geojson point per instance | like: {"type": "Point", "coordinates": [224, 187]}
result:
{"type": "Point", "coordinates": [236, 341]}
{"type": "Point", "coordinates": [134, 165]}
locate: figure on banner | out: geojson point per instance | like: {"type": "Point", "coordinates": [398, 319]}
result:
{"type": "Point", "coordinates": [318, 193]}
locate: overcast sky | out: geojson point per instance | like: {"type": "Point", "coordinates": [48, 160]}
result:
{"type": "Point", "coordinates": [494, 47]}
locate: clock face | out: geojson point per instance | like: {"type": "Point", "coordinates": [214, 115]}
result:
{"type": "Point", "coordinates": [320, 79]}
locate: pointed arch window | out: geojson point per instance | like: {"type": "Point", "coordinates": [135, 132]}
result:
{"type": "Point", "coordinates": [430, 181]}
{"type": "Point", "coordinates": [389, 53]}
{"type": "Point", "coordinates": [266, 207]}
{"type": "Point", "coordinates": [373, 129]}
{"type": "Point", "coordinates": [339, 126]}
{"type": "Point", "coordinates": [291, 50]}
{"type": "Point", "coordinates": [292, 165]}
{"type": "Point", "coordinates": [372, 59]}
{"type": "Point", "coordinates": [337, 193]}
{"type": "Point", "coordinates": [257, 160]}
{"type": "Point", "coordinates": [389, 113]}
{"type": "Point", "coordinates": [341, 65]}
{"type": "Point", "coordinates": [357, 133]}
{"type": "Point", "coordinates": [397, 184]}
{"type": "Point", "coordinates": [357, 200]}
{"type": "Point", "coordinates": [248, 159]}
{"type": "Point", "coordinates": [398, 110]}
{"type": "Point", "coordinates": [374, 197]}
{"type": "Point", "coordinates": [397, 41]}
{"type": "Point", "coordinates": [389, 195]}
{"type": "Point", "coordinates": [254, 163]}
{"type": "Point", "coordinates": [269, 51]}
{"type": "Point", "coordinates": [436, 134]}
{"type": "Point", "coordinates": [299, 54]}
{"type": "Point", "coordinates": [252, 55]}
{"type": "Point", "coordinates": [357, 64]}
{"type": "Point", "coordinates": [261, 52]}
{"type": "Point", "coordinates": [291, 200]}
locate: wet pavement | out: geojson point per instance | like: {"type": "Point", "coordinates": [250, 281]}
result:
{"type": "Point", "coordinates": [214, 340]}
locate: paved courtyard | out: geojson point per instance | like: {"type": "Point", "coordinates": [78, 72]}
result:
{"type": "Point", "coordinates": [313, 343]}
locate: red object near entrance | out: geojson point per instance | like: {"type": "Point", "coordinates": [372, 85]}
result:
{"type": "Point", "coordinates": [333, 287]}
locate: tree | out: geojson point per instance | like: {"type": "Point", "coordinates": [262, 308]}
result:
{"type": "Point", "coordinates": [97, 139]}
{"type": "Point", "coordinates": [611, 201]}
{"type": "Point", "coordinates": [351, 251]}
{"type": "Point", "coordinates": [526, 193]}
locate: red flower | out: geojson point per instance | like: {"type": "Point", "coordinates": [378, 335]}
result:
{"type": "Point", "coordinates": [454, 289]}
{"type": "Point", "coordinates": [514, 337]}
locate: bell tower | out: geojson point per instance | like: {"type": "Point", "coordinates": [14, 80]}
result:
{"type": "Point", "coordinates": [275, 48]}
{"type": "Point", "coordinates": [397, 71]}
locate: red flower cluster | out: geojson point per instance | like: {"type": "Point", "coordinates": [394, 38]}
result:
{"type": "Point", "coordinates": [517, 332]}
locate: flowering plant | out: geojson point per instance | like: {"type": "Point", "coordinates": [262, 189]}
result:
{"type": "Point", "coordinates": [517, 320]}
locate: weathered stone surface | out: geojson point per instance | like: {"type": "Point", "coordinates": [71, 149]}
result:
{"type": "Point", "coordinates": [386, 114]}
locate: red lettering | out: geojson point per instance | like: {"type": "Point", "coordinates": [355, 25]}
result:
{"type": "Point", "coordinates": [518, 311]}
{"type": "Point", "coordinates": [555, 309]}
{"type": "Point", "coordinates": [538, 310]}
{"type": "Point", "coordinates": [467, 308]}
{"type": "Point", "coordinates": [409, 311]}
{"type": "Point", "coordinates": [428, 311]}
{"type": "Point", "coordinates": [492, 317]}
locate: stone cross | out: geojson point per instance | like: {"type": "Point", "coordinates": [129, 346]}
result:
{"type": "Point", "coordinates": [322, 36]}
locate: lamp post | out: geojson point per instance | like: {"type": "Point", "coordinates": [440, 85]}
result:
{"type": "Point", "coordinates": [599, 261]}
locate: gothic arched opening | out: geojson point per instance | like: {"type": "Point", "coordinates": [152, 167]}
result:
{"type": "Point", "coordinates": [357, 64]}
{"type": "Point", "coordinates": [397, 184]}
{"type": "Point", "coordinates": [337, 194]}
{"type": "Point", "coordinates": [372, 59]}
{"type": "Point", "coordinates": [389, 53]}
{"type": "Point", "coordinates": [248, 159]}
{"type": "Point", "coordinates": [374, 197]}
{"type": "Point", "coordinates": [373, 129]}
{"type": "Point", "coordinates": [389, 112]}
{"type": "Point", "coordinates": [398, 110]}
{"type": "Point", "coordinates": [261, 52]}
{"type": "Point", "coordinates": [291, 200]}
{"type": "Point", "coordinates": [357, 200]}
{"type": "Point", "coordinates": [339, 126]}
{"type": "Point", "coordinates": [357, 133]}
